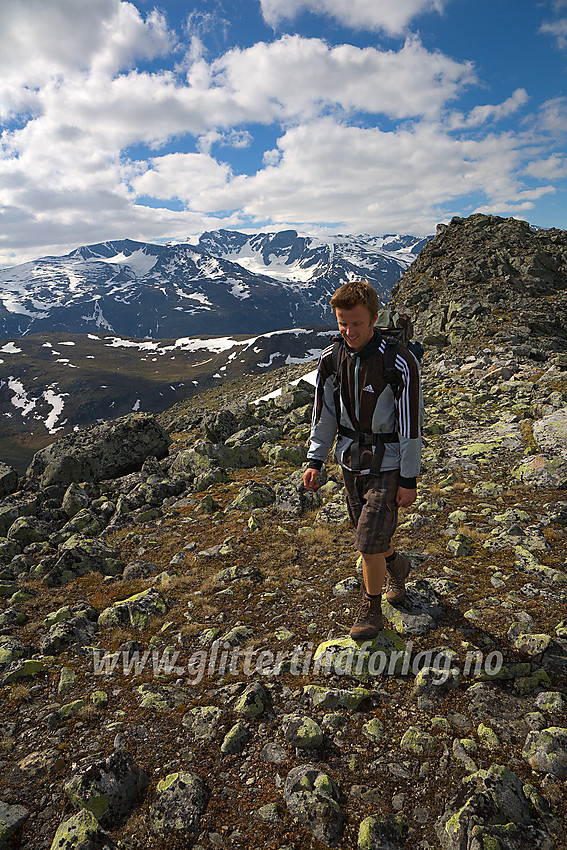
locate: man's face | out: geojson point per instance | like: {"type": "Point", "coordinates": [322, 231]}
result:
{"type": "Point", "coordinates": [356, 325]}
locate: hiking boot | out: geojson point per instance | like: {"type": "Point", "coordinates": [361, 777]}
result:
{"type": "Point", "coordinates": [396, 573]}
{"type": "Point", "coordinates": [369, 621]}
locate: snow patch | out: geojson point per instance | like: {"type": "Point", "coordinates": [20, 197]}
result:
{"type": "Point", "coordinates": [57, 404]}
{"type": "Point", "coordinates": [138, 261]}
{"type": "Point", "coordinates": [10, 348]}
{"type": "Point", "coordinates": [310, 377]}
{"type": "Point", "coordinates": [20, 398]}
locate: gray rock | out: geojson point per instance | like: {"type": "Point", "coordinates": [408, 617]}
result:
{"type": "Point", "coordinates": [293, 396]}
{"type": "Point", "coordinates": [257, 494]}
{"type": "Point", "coordinates": [135, 611]}
{"type": "Point", "coordinates": [253, 701]}
{"type": "Point", "coordinates": [75, 499]}
{"type": "Point", "coordinates": [223, 424]}
{"type": "Point", "coordinates": [110, 450]}
{"type": "Point", "coordinates": [315, 800]}
{"type": "Point", "coordinates": [292, 497]}
{"type": "Point", "coordinates": [179, 803]}
{"type": "Point", "coordinates": [239, 572]}
{"type": "Point", "coordinates": [418, 613]}
{"type": "Point", "coordinates": [82, 832]}
{"type": "Point", "coordinates": [552, 701]}
{"type": "Point", "coordinates": [206, 457]}
{"type": "Point", "coordinates": [382, 833]}
{"type": "Point", "coordinates": [334, 512]}
{"type": "Point", "coordinates": [555, 657]}
{"type": "Point", "coordinates": [296, 455]}
{"type": "Point", "coordinates": [203, 722]}
{"type": "Point", "coordinates": [273, 753]}
{"type": "Point", "coordinates": [11, 819]}
{"type": "Point", "coordinates": [550, 433]}
{"type": "Point", "coordinates": [497, 813]}
{"type": "Point", "coordinates": [26, 530]}
{"type": "Point", "coordinates": [8, 480]}
{"type": "Point", "coordinates": [346, 586]}
{"type": "Point", "coordinates": [253, 436]}
{"type": "Point", "coordinates": [546, 751]}
{"type": "Point", "coordinates": [236, 738]}
{"type": "Point", "coordinates": [74, 632]}
{"type": "Point", "coordinates": [435, 684]}
{"type": "Point", "coordinates": [302, 732]}
{"type": "Point", "coordinates": [109, 788]}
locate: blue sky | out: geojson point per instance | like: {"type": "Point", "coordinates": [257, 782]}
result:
{"type": "Point", "coordinates": [154, 122]}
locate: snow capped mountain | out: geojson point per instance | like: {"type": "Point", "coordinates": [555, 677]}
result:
{"type": "Point", "coordinates": [227, 283]}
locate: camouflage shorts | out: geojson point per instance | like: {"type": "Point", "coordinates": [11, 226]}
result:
{"type": "Point", "coordinates": [371, 504]}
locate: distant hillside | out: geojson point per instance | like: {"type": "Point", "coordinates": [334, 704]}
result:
{"type": "Point", "coordinates": [51, 383]}
{"type": "Point", "coordinates": [228, 283]}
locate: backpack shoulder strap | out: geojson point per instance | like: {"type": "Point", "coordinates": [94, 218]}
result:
{"type": "Point", "coordinates": [391, 374]}
{"type": "Point", "coordinates": [335, 359]}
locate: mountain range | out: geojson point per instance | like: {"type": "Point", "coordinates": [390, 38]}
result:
{"type": "Point", "coordinates": [227, 283]}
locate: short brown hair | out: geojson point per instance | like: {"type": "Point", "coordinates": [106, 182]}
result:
{"type": "Point", "coordinates": [356, 292]}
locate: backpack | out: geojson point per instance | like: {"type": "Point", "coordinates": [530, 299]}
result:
{"type": "Point", "coordinates": [396, 329]}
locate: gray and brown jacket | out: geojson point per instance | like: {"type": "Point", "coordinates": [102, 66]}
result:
{"type": "Point", "coordinates": [356, 399]}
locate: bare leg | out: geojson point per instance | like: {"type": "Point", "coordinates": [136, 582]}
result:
{"type": "Point", "coordinates": [374, 571]}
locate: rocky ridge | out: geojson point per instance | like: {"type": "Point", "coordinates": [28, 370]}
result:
{"type": "Point", "coordinates": [174, 660]}
{"type": "Point", "coordinates": [491, 277]}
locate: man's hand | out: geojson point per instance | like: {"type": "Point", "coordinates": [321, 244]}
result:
{"type": "Point", "coordinates": [311, 479]}
{"type": "Point", "coordinates": [405, 497]}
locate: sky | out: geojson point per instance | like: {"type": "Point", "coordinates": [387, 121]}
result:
{"type": "Point", "coordinates": [158, 122]}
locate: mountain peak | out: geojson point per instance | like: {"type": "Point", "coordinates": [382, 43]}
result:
{"type": "Point", "coordinates": [489, 276]}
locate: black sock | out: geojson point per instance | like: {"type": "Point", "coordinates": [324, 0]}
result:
{"type": "Point", "coordinates": [372, 595]}
{"type": "Point", "coordinates": [391, 557]}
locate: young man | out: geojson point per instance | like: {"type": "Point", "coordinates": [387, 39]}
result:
{"type": "Point", "coordinates": [378, 445]}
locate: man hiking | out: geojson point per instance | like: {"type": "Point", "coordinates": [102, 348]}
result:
{"type": "Point", "coordinates": [378, 424]}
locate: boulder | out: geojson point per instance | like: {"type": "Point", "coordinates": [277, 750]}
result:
{"type": "Point", "coordinates": [11, 819]}
{"type": "Point", "coordinates": [179, 804]}
{"type": "Point", "coordinates": [110, 450]}
{"type": "Point", "coordinates": [8, 480]}
{"type": "Point", "coordinates": [75, 499]}
{"type": "Point", "coordinates": [207, 457]}
{"type": "Point", "coordinates": [301, 731]}
{"type": "Point", "coordinates": [75, 632]}
{"type": "Point", "coordinates": [109, 788]}
{"type": "Point", "coordinates": [292, 497]}
{"type": "Point", "coordinates": [315, 800]}
{"type": "Point", "coordinates": [550, 433]}
{"type": "Point", "coordinates": [496, 813]}
{"type": "Point", "coordinates": [82, 832]}
{"type": "Point", "coordinates": [384, 832]}
{"type": "Point", "coordinates": [546, 751]}
{"type": "Point", "coordinates": [135, 612]}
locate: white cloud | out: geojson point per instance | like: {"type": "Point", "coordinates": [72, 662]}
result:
{"type": "Point", "coordinates": [552, 168]}
{"type": "Point", "coordinates": [557, 28]}
{"type": "Point", "coordinates": [392, 16]}
{"type": "Point", "coordinates": [42, 43]}
{"type": "Point", "coordinates": [68, 176]}
{"type": "Point", "coordinates": [552, 117]}
{"type": "Point", "coordinates": [182, 175]}
{"type": "Point", "coordinates": [490, 112]}
{"type": "Point", "coordinates": [370, 180]}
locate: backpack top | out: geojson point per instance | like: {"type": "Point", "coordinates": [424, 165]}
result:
{"type": "Point", "coordinates": [392, 323]}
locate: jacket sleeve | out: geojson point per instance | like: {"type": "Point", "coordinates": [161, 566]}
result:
{"type": "Point", "coordinates": [410, 419]}
{"type": "Point", "coordinates": [323, 420]}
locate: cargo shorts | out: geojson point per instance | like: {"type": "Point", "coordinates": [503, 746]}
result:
{"type": "Point", "coordinates": [371, 505]}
